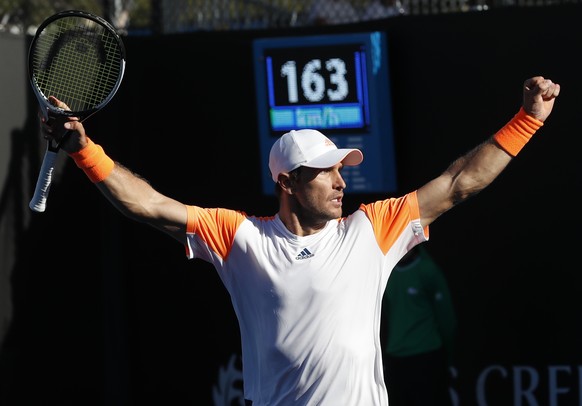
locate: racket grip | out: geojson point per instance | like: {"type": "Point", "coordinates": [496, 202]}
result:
{"type": "Point", "coordinates": [43, 183]}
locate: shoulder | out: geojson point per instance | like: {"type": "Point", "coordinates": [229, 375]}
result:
{"type": "Point", "coordinates": [392, 206]}
{"type": "Point", "coordinates": [214, 217]}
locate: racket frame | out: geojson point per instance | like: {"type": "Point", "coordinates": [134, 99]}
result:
{"type": "Point", "coordinates": [51, 112]}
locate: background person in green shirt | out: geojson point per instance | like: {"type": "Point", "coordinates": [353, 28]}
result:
{"type": "Point", "coordinates": [420, 325]}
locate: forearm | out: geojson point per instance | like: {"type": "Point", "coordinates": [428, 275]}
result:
{"type": "Point", "coordinates": [477, 169]}
{"type": "Point", "coordinates": [127, 192]}
{"type": "Point", "coordinates": [474, 171]}
{"type": "Point", "coordinates": [132, 195]}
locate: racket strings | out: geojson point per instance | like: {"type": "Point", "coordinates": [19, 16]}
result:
{"type": "Point", "coordinates": [79, 63]}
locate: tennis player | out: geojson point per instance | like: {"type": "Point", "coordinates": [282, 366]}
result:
{"type": "Point", "coordinates": [307, 282]}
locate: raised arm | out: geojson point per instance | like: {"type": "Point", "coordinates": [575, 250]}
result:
{"type": "Point", "coordinates": [129, 193]}
{"type": "Point", "coordinates": [474, 171]}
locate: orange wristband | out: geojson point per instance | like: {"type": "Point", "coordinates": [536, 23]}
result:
{"type": "Point", "coordinates": [93, 161]}
{"type": "Point", "coordinates": [517, 132]}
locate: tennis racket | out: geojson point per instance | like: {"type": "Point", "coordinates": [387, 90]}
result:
{"type": "Point", "coordinates": [78, 58]}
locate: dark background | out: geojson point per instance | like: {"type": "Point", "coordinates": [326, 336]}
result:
{"type": "Point", "coordinates": [105, 311]}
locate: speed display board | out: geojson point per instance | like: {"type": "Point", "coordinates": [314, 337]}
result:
{"type": "Point", "coordinates": [337, 84]}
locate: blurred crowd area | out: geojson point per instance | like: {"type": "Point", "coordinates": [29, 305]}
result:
{"type": "Point", "coordinates": [145, 17]}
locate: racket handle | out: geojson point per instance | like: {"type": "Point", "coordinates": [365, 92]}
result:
{"type": "Point", "coordinates": [43, 183]}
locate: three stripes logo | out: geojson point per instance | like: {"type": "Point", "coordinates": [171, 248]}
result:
{"type": "Point", "coordinates": [304, 254]}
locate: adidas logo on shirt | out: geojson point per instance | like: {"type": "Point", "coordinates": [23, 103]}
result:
{"type": "Point", "coordinates": [304, 254]}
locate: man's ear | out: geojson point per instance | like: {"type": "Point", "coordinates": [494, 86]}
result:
{"type": "Point", "coordinates": [285, 183]}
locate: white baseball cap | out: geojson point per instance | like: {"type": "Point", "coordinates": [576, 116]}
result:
{"type": "Point", "coordinates": [308, 148]}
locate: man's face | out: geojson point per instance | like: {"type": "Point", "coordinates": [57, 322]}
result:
{"type": "Point", "coordinates": [319, 194]}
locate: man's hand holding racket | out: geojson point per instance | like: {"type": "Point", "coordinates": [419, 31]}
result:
{"type": "Point", "coordinates": [53, 130]}
{"type": "Point", "coordinates": [88, 156]}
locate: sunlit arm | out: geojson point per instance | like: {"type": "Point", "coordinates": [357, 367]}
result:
{"type": "Point", "coordinates": [137, 199]}
{"type": "Point", "coordinates": [465, 177]}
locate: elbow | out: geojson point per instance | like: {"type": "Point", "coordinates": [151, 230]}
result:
{"type": "Point", "coordinates": [461, 197]}
{"type": "Point", "coordinates": [464, 192]}
{"type": "Point", "coordinates": [133, 211]}
{"type": "Point", "coordinates": [464, 188]}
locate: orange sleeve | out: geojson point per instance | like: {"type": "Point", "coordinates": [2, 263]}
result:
{"type": "Point", "coordinates": [215, 227]}
{"type": "Point", "coordinates": [391, 217]}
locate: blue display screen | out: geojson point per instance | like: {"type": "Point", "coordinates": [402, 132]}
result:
{"type": "Point", "coordinates": [313, 88]}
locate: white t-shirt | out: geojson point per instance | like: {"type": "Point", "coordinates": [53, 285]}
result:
{"type": "Point", "coordinates": [309, 307]}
